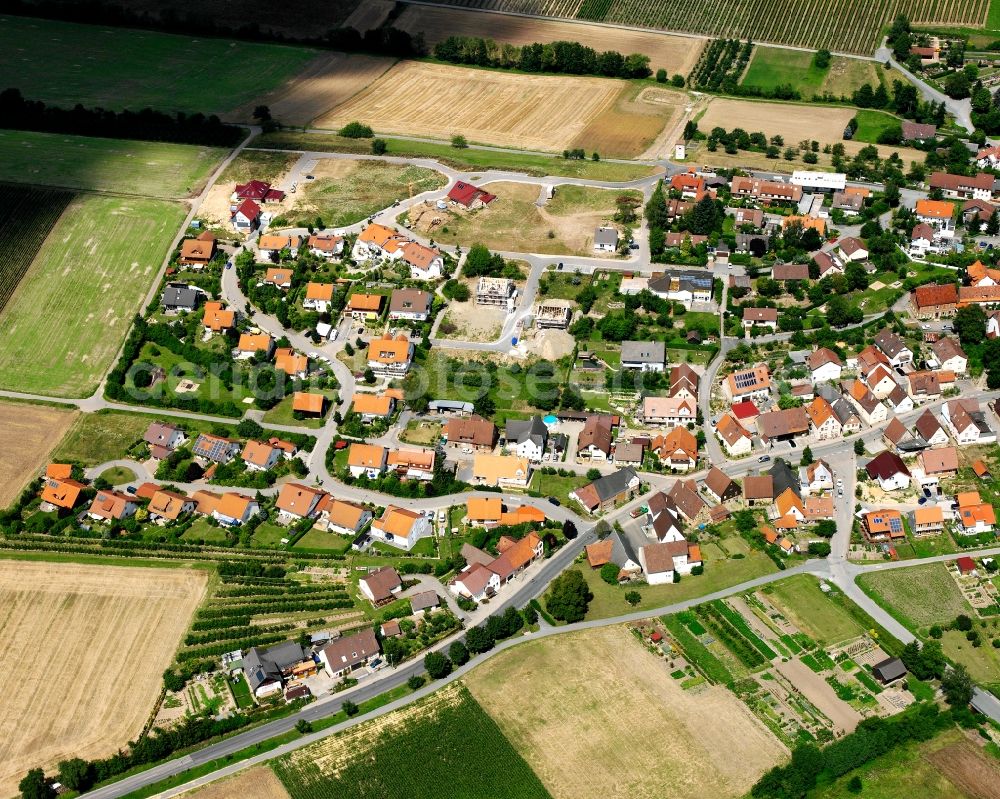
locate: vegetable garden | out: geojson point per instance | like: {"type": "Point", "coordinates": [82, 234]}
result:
{"type": "Point", "coordinates": [30, 213]}
{"type": "Point", "coordinates": [852, 26]}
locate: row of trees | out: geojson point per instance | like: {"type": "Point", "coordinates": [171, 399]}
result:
{"type": "Point", "coordinates": [571, 58]}
{"type": "Point", "coordinates": [149, 125]}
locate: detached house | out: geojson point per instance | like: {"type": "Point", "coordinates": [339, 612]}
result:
{"type": "Point", "coordinates": [381, 585]}
{"type": "Point", "coordinates": [605, 492]}
{"type": "Point", "coordinates": [678, 449]}
{"type": "Point", "coordinates": [894, 348]}
{"type": "Point", "coordinates": [410, 305]}
{"type": "Point", "coordinates": [168, 506]}
{"type": "Point", "coordinates": [938, 215]}
{"type": "Point", "coordinates": [198, 253]}
{"type": "Point", "coordinates": [390, 356]}
{"type": "Point", "coordinates": [759, 317]}
{"type": "Point", "coordinates": [883, 525]}
{"type": "Point", "coordinates": [296, 501]}
{"type": "Point", "coordinates": [318, 297]}
{"type": "Point", "coordinates": [505, 471]}
{"type": "Point", "coordinates": [215, 448]}
{"type": "Point", "coordinates": [245, 217]}
{"type": "Point", "coordinates": [824, 365]}
{"type": "Point", "coordinates": [962, 187]}
{"type": "Point", "coordinates": [527, 438]}
{"type": "Point", "coordinates": [735, 438]}
{"type": "Point", "coordinates": [251, 344]}
{"type": "Point", "coordinates": [930, 430]}
{"type": "Point", "coordinates": [748, 384]}
{"type": "Point", "coordinates": [474, 433]}
{"type": "Point", "coordinates": [218, 319]}
{"type": "Point", "coordinates": [817, 476]}
{"type": "Point", "coordinates": [259, 457]}
{"type": "Point", "coordinates": [364, 307]}
{"type": "Point", "coordinates": [373, 406]}
{"type": "Point", "coordinates": [325, 245]}
{"type": "Point", "coordinates": [342, 656]}
{"type": "Point", "coordinates": [646, 356]}
{"type": "Point", "coordinates": [720, 485]}
{"type": "Point", "coordinates": [669, 411]}
{"type": "Point", "coordinates": [401, 528]}
{"type": "Point", "coordinates": [950, 356]}
{"type": "Point", "coordinates": [966, 421]}
{"type": "Point", "coordinates": [367, 460]}
{"type": "Point", "coordinates": [684, 382]}
{"type": "Point", "coordinates": [660, 561]}
{"type": "Point", "coordinates": [974, 515]}
{"type": "Point", "coordinates": [412, 464]}
{"type": "Point", "coordinates": [425, 263]}
{"type": "Point", "coordinates": [823, 421]}
{"type": "Point", "coordinates": [469, 196]}
{"type": "Point", "coordinates": [112, 506]}
{"type": "Point", "coordinates": [889, 470]}
{"type": "Point", "coordinates": [163, 439]}
{"type": "Point", "coordinates": [344, 518]}
{"type": "Point", "coordinates": [595, 440]}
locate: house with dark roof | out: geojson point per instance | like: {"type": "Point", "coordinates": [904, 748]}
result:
{"type": "Point", "coordinates": [605, 492]}
{"type": "Point", "coordinates": [783, 477]}
{"type": "Point", "coordinates": [889, 470]}
{"type": "Point", "coordinates": [350, 652]}
{"type": "Point", "coordinates": [893, 347]}
{"type": "Point", "coordinates": [646, 356]}
{"type": "Point", "coordinates": [684, 495]}
{"type": "Point", "coordinates": [178, 297]}
{"type": "Point", "coordinates": [266, 669]}
{"type": "Point", "coordinates": [526, 438]}
{"type": "Point", "coordinates": [594, 441]}
{"type": "Point", "coordinates": [720, 485]}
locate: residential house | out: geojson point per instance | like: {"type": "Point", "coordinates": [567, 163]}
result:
{"type": "Point", "coordinates": [423, 601]}
{"type": "Point", "coordinates": [823, 421]}
{"type": "Point", "coordinates": [646, 356]}
{"type": "Point", "coordinates": [938, 215]}
{"type": "Point", "coordinates": [401, 527]}
{"type": "Point", "coordinates": [766, 190]}
{"type": "Point", "coordinates": [595, 439]}
{"type": "Point", "coordinates": [988, 157]}
{"type": "Point", "coordinates": [606, 239]}
{"type": "Point", "coordinates": [933, 464]}
{"type": "Point", "coordinates": [746, 216]}
{"type": "Point", "coordinates": [373, 406]}
{"type": "Point", "coordinates": [870, 409]}
{"type": "Point", "coordinates": [663, 521]}
{"type": "Point", "coordinates": [553, 314]}
{"type": "Point", "coordinates": [974, 515]}
{"type": "Point", "coordinates": [893, 347]}
{"type": "Point", "coordinates": [258, 191]}
{"type": "Point", "coordinates": [367, 460]}
{"type": "Point", "coordinates": [678, 449]}
{"type": "Point", "coordinates": [197, 253]}
{"type": "Point", "coordinates": [230, 508]}
{"type": "Point", "coordinates": [950, 355]}
{"type": "Point", "coordinates": [923, 239]}
{"type": "Point", "coordinates": [245, 217]}
{"type": "Point", "coordinates": [927, 520]}
{"type": "Point", "coordinates": [918, 132]}
{"type": "Point", "coordinates": [381, 585]}
{"type": "Point", "coordinates": [163, 439]}
{"type": "Point", "coordinates": [903, 439]}
{"type": "Point", "coordinates": [784, 425]}
{"type": "Point", "coordinates": [476, 582]}
{"type": "Point", "coordinates": [505, 471]}
{"type": "Point", "coordinates": [218, 319]}
{"type": "Point", "coordinates": [412, 464]}
{"type": "Point", "coordinates": [986, 296]}
{"type": "Point", "coordinates": [296, 501]}
{"type": "Point", "coordinates": [885, 524]}
{"type": "Point", "coordinates": [686, 287]}
{"type": "Point", "coordinates": [473, 432]}
{"type": "Point", "coordinates": [889, 470]}
{"type": "Point", "coordinates": [112, 506]}
{"type": "Point", "coordinates": [309, 403]}
{"type": "Point", "coordinates": [825, 365]}
{"type": "Point", "coordinates": [325, 245]}
{"type": "Point", "coordinates": [735, 438]}
{"type": "Point", "coordinates": [168, 506]}
{"type": "Point", "coordinates": [483, 511]}
{"type": "Point", "coordinates": [759, 317]}
{"type": "Point", "coordinates": [934, 300]}
{"type": "Point", "coordinates": [966, 421]}
{"type": "Point", "coordinates": [345, 518]}
{"type": "Point", "coordinates": [364, 307]}
{"type": "Point", "coordinates": [292, 363]}
{"type": "Point", "coordinates": [816, 477]}
{"type": "Point", "coordinates": [617, 549]}
{"type": "Point", "coordinates": [270, 245]}
{"type": "Point", "coordinates": [378, 241]}
{"type": "Point", "coordinates": [267, 669]}
{"type": "Point", "coordinates": [410, 305]}
{"type": "Point", "coordinates": [785, 273]}
{"type": "Point", "coordinates": [980, 275]}
{"type": "Point", "coordinates": [259, 457]}
{"type": "Point", "coordinates": [684, 382]}
{"type": "Point", "coordinates": [515, 556]}
{"type": "Point", "coordinates": [931, 430]}
{"type": "Point", "coordinates": [850, 248]}
{"type": "Point", "coordinates": [669, 411]}
{"type": "Point", "coordinates": [880, 381]}
{"type": "Point", "coordinates": [758, 490]}
{"type": "Point", "coordinates": [922, 387]}
{"type": "Point", "coordinates": [426, 263]}
{"type": "Point", "coordinates": [390, 356]}
{"type": "Point", "coordinates": [469, 196]}
{"type": "Point", "coordinates": [253, 344]}
{"type": "Point", "coordinates": [660, 562]}
{"type": "Point", "coordinates": [720, 485]}
{"type": "Point", "coordinates": [962, 187]}
{"type": "Point", "coordinates": [496, 292]}
{"type": "Point", "coordinates": [527, 438]}
{"type": "Point", "coordinates": [178, 297]}
{"type": "Point", "coordinates": [344, 655]}
{"type": "Point", "coordinates": [977, 209]}
{"type": "Point", "coordinates": [684, 496]}
{"type": "Point", "coordinates": [215, 448]}
{"type": "Point", "coordinates": [318, 297]}
{"type": "Point", "coordinates": [605, 492]}
{"type": "Point", "coordinates": [748, 384]}
{"type": "Point", "coordinates": [850, 204]}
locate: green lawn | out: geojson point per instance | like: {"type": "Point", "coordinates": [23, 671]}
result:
{"type": "Point", "coordinates": [552, 485]}
{"type": "Point", "coordinates": [800, 599]}
{"type": "Point", "coordinates": [871, 124]}
{"type": "Point", "coordinates": [64, 64]}
{"type": "Point", "coordinates": [201, 530]}
{"type": "Point", "coordinates": [469, 159]}
{"type": "Point", "coordinates": [609, 600]}
{"type": "Point", "coordinates": [268, 535]}
{"type": "Point", "coordinates": [917, 596]}
{"type": "Point", "coordinates": [152, 169]}
{"type": "Point", "coordinates": [102, 436]}
{"type": "Point", "coordinates": [326, 542]}
{"type": "Point", "coordinates": [993, 16]}
{"type": "Point", "coordinates": [771, 67]}
{"type": "Point", "coordinates": [118, 475]}
{"type": "Point", "coordinates": [71, 311]}
{"type": "Point", "coordinates": [282, 412]}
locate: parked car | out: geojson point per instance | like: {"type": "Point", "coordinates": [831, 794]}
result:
{"type": "Point", "coordinates": [763, 459]}
{"type": "Point", "coordinates": [554, 501]}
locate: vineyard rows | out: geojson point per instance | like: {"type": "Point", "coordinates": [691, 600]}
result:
{"type": "Point", "coordinates": [842, 25]}
{"type": "Point", "coordinates": [29, 214]}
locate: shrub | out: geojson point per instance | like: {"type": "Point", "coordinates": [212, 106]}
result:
{"type": "Point", "coordinates": [356, 130]}
{"type": "Point", "coordinates": [350, 708]}
{"type": "Point", "coordinates": [415, 682]}
{"type": "Point", "coordinates": [609, 573]}
{"type": "Point", "coordinates": [633, 597]}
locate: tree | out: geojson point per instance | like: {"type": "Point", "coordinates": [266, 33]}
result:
{"type": "Point", "coordinates": [356, 130]}
{"type": "Point", "coordinates": [859, 447]}
{"type": "Point", "coordinates": [822, 58]}
{"type": "Point", "coordinates": [262, 114]}
{"type": "Point", "coordinates": [569, 598]}
{"type": "Point", "coordinates": [678, 81]}
{"type": "Point", "coordinates": [609, 573]}
{"type": "Point", "coordinates": [661, 75]}
{"type": "Point", "coordinates": [633, 597]}
{"type": "Point", "coordinates": [350, 708]}
{"type": "Point", "coordinates": [569, 530]}
{"type": "Point", "coordinates": [956, 684]}
{"type": "Point", "coordinates": [35, 786]}
{"type": "Point", "coordinates": [379, 147]}
{"type": "Point", "coordinates": [826, 528]}
{"type": "Point", "coordinates": [970, 325]}
{"type": "Point", "coordinates": [854, 784]}
{"type": "Point", "coordinates": [963, 622]}
{"type": "Point", "coordinates": [807, 456]}
{"type": "Point", "coordinates": [76, 774]}
{"type": "Point", "coordinates": [593, 474]}
{"type": "Point", "coordinates": [369, 375]}
{"type": "Point", "coordinates": [248, 428]}
{"type": "Point", "coordinates": [303, 726]}
{"type": "Point", "coordinates": [459, 142]}
{"type": "Point", "coordinates": [458, 653]}
{"type": "Point", "coordinates": [957, 86]}
{"type": "Point", "coordinates": [437, 665]}
{"type": "Point", "coordinates": [477, 640]}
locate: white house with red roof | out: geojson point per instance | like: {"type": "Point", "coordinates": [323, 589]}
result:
{"type": "Point", "coordinates": [245, 216]}
{"type": "Point", "coordinates": [469, 196]}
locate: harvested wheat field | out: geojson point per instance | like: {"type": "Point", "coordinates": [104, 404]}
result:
{"type": "Point", "coordinates": [327, 81]}
{"type": "Point", "coordinates": [258, 782]}
{"type": "Point", "coordinates": [534, 112]}
{"type": "Point", "coordinates": [36, 429]}
{"type": "Point", "coordinates": [615, 724]}
{"type": "Point", "coordinates": [672, 53]}
{"type": "Point", "coordinates": [82, 653]}
{"type": "Point", "coordinates": [643, 122]}
{"type": "Point", "coordinates": [793, 122]}
{"type": "Point", "coordinates": [369, 15]}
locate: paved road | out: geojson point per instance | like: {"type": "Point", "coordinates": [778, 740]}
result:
{"type": "Point", "coordinates": [960, 109]}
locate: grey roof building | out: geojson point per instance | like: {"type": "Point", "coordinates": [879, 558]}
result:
{"type": "Point", "coordinates": [784, 477]}
{"type": "Point", "coordinates": [264, 667]}
{"type": "Point", "coordinates": [520, 430]}
{"type": "Point", "coordinates": [645, 355]}
{"type": "Point", "coordinates": [180, 297]}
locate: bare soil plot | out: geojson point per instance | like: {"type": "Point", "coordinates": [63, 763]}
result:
{"type": "Point", "coordinates": [36, 429]}
{"type": "Point", "coordinates": [324, 83]}
{"type": "Point", "coordinates": [540, 112]}
{"type": "Point", "coordinates": [967, 768]}
{"type": "Point", "coordinates": [515, 223]}
{"type": "Point", "coordinates": [258, 782]}
{"type": "Point", "coordinates": [82, 651]}
{"type": "Point", "coordinates": [466, 321]}
{"type": "Point", "coordinates": [672, 53]}
{"type": "Point", "coordinates": [615, 724]}
{"type": "Point", "coordinates": [793, 122]}
{"type": "Point", "coordinates": [633, 123]}
{"type": "Point", "coordinates": [248, 165]}
{"type": "Point", "coordinates": [819, 692]}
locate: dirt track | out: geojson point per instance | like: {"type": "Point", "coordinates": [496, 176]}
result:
{"type": "Point", "coordinates": [82, 651]}
{"type": "Point", "coordinates": [672, 53]}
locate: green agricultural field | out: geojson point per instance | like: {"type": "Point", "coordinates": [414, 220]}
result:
{"type": "Point", "coordinates": [64, 64]}
{"type": "Point", "coordinates": [872, 123]}
{"type": "Point", "coordinates": [65, 323]}
{"type": "Point", "coordinates": [445, 745]}
{"type": "Point", "coordinates": [800, 599]}
{"type": "Point", "coordinates": [29, 215]}
{"type": "Point", "coordinates": [151, 169]}
{"type": "Point", "coordinates": [103, 436]}
{"type": "Point", "coordinates": [770, 67]}
{"type": "Point", "coordinates": [917, 596]}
